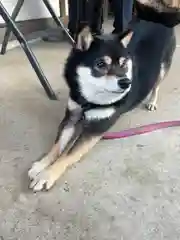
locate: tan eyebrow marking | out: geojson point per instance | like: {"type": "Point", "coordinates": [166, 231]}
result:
{"type": "Point", "coordinates": [107, 60]}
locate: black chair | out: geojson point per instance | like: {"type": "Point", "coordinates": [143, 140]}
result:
{"type": "Point", "coordinates": [12, 27]}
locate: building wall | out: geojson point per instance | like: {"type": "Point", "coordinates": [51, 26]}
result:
{"type": "Point", "coordinates": [33, 16]}
{"type": "Point", "coordinates": [32, 9]}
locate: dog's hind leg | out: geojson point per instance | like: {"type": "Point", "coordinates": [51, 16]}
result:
{"type": "Point", "coordinates": [65, 133]}
{"type": "Point", "coordinates": [152, 101]}
{"type": "Point", "coordinates": [165, 66]}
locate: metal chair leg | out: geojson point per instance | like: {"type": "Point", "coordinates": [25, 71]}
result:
{"type": "Point", "coordinates": [31, 57]}
{"type": "Point", "coordinates": [8, 30]}
{"type": "Point", "coordinates": [57, 20]}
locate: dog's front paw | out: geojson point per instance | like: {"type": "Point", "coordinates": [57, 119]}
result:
{"type": "Point", "coordinates": [151, 106]}
{"type": "Point", "coordinates": [42, 181]}
{"type": "Point", "coordinates": [36, 168]}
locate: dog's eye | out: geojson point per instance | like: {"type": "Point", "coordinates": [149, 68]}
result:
{"type": "Point", "coordinates": [100, 63]}
{"type": "Point", "coordinates": [122, 62]}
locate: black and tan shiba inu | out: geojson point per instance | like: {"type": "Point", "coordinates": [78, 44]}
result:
{"type": "Point", "coordinates": [107, 76]}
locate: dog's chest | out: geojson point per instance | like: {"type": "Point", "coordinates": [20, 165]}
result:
{"type": "Point", "coordinates": [99, 114]}
{"type": "Point", "coordinates": [91, 114]}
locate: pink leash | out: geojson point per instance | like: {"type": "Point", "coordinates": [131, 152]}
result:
{"type": "Point", "coordinates": [140, 130]}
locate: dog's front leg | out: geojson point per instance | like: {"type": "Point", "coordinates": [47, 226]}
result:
{"type": "Point", "coordinates": [47, 178]}
{"type": "Point", "coordinates": [65, 134]}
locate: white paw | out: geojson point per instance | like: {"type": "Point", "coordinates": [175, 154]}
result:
{"type": "Point", "coordinates": [36, 168]}
{"type": "Point", "coordinates": [41, 181]}
{"type": "Point", "coordinates": [151, 106]}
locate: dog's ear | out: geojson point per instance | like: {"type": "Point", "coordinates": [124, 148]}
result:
{"type": "Point", "coordinates": [125, 38]}
{"type": "Point", "coordinates": [84, 39]}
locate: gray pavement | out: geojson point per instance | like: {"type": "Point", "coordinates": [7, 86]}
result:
{"type": "Point", "coordinates": [125, 189]}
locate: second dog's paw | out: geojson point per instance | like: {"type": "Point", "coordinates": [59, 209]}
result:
{"type": "Point", "coordinates": [151, 106]}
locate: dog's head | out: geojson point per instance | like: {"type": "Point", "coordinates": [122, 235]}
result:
{"type": "Point", "coordinates": [103, 66]}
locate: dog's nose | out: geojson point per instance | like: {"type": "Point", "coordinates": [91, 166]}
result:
{"type": "Point", "coordinates": [124, 83]}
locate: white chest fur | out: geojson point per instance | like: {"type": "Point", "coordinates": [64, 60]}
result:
{"type": "Point", "coordinates": [103, 90]}
{"type": "Point", "coordinates": [92, 114]}
{"type": "Point", "coordinates": [100, 113]}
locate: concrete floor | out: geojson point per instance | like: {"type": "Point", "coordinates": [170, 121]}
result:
{"type": "Point", "coordinates": [126, 189]}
